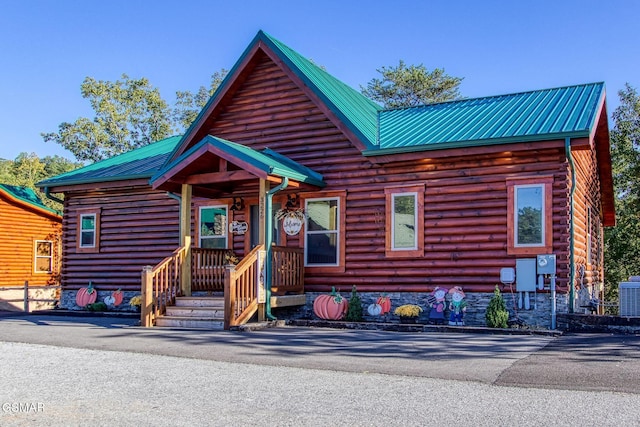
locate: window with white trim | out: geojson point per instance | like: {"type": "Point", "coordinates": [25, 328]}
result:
{"type": "Point", "coordinates": [529, 216]}
{"type": "Point", "coordinates": [404, 222]}
{"type": "Point", "coordinates": [43, 256]}
{"type": "Point", "coordinates": [322, 232]}
{"type": "Point", "coordinates": [88, 231]}
{"type": "Point", "coordinates": [213, 227]}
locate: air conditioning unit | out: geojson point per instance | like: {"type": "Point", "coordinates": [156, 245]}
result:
{"type": "Point", "coordinates": [629, 297]}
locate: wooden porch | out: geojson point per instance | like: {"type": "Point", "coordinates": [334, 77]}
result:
{"type": "Point", "coordinates": [192, 270]}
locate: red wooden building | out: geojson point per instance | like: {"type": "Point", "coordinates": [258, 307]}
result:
{"type": "Point", "coordinates": [398, 201]}
{"type": "Point", "coordinates": [30, 236]}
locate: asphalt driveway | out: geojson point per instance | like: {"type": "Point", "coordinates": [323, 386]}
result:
{"type": "Point", "coordinates": [573, 362]}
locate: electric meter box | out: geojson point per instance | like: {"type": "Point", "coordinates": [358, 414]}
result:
{"type": "Point", "coordinates": [546, 264]}
{"type": "Point", "coordinates": [526, 275]}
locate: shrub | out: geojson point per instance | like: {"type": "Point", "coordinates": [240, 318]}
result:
{"type": "Point", "coordinates": [497, 315]}
{"type": "Point", "coordinates": [354, 312]}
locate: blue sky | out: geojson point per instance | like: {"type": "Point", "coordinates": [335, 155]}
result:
{"type": "Point", "coordinates": [49, 47]}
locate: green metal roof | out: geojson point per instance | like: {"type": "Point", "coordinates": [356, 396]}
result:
{"type": "Point", "coordinates": [267, 160]}
{"type": "Point", "coordinates": [355, 110]}
{"type": "Point", "coordinates": [139, 163]}
{"type": "Point", "coordinates": [528, 116]}
{"type": "Point", "coordinates": [27, 196]}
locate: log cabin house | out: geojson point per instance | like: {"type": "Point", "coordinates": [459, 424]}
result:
{"type": "Point", "coordinates": [395, 201]}
{"type": "Point", "coordinates": [30, 237]}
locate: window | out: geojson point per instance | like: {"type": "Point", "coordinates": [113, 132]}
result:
{"type": "Point", "coordinates": [213, 227]}
{"type": "Point", "coordinates": [43, 256]}
{"type": "Point", "coordinates": [529, 216]}
{"type": "Point", "coordinates": [322, 230]}
{"type": "Point", "coordinates": [88, 239]}
{"type": "Point", "coordinates": [404, 221]}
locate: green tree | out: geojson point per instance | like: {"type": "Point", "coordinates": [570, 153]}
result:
{"type": "Point", "coordinates": [354, 310]}
{"type": "Point", "coordinates": [129, 113]}
{"type": "Point", "coordinates": [497, 315]}
{"type": "Point", "coordinates": [188, 105]}
{"type": "Point", "coordinates": [622, 242]}
{"type": "Point", "coordinates": [409, 86]}
{"type": "Point", "coordinates": [28, 169]}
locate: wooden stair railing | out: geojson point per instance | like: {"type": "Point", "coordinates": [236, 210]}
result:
{"type": "Point", "coordinates": [241, 289]}
{"type": "Point", "coordinates": [160, 286]}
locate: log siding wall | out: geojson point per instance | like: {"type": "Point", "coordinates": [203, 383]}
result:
{"type": "Point", "coordinates": [465, 198]}
{"type": "Point", "coordinates": [20, 227]}
{"type": "Point", "coordinates": [138, 227]}
{"type": "Point", "coordinates": [585, 197]}
{"type": "Point", "coordinates": [465, 201]}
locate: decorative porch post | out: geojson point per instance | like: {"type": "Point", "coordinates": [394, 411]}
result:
{"type": "Point", "coordinates": [185, 239]}
{"type": "Point", "coordinates": [262, 230]}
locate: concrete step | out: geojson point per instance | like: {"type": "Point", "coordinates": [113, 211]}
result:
{"type": "Point", "coordinates": [210, 302]}
{"type": "Point", "coordinates": [189, 322]}
{"type": "Point", "coordinates": [194, 311]}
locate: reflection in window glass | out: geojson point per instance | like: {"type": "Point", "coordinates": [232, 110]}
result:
{"type": "Point", "coordinates": [321, 232]}
{"type": "Point", "coordinates": [529, 220]}
{"type": "Point", "coordinates": [87, 231]}
{"type": "Point", "coordinates": [213, 227]}
{"type": "Point", "coordinates": [404, 221]}
{"type": "Point", "coordinates": [44, 256]}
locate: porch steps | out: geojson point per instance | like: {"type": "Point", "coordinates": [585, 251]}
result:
{"type": "Point", "coordinates": [194, 312]}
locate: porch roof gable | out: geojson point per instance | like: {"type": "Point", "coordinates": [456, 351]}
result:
{"type": "Point", "coordinates": [260, 164]}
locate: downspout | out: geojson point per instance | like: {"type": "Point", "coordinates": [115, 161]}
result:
{"type": "Point", "coordinates": [572, 269]}
{"type": "Point", "coordinates": [268, 239]}
{"type": "Point", "coordinates": [52, 197]}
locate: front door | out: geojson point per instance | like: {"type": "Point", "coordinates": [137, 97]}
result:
{"type": "Point", "coordinates": [254, 225]}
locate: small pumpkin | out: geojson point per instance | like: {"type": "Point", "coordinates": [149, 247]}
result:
{"type": "Point", "coordinates": [118, 297]}
{"type": "Point", "coordinates": [385, 303]}
{"type": "Point", "coordinates": [374, 309]}
{"type": "Point", "coordinates": [330, 307]}
{"type": "Point", "coordinates": [109, 300]}
{"type": "Point", "coordinates": [86, 296]}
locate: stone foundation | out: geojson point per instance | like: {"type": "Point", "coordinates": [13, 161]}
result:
{"type": "Point", "coordinates": [537, 317]}
{"type": "Point", "coordinates": [68, 301]}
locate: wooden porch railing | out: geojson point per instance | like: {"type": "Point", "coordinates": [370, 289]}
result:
{"type": "Point", "coordinates": [160, 286]}
{"type": "Point", "coordinates": [241, 289]}
{"type": "Point", "coordinates": [287, 272]}
{"type": "Point", "coordinates": [207, 269]}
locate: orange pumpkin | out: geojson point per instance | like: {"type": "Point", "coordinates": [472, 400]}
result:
{"type": "Point", "coordinates": [118, 296]}
{"type": "Point", "coordinates": [385, 303]}
{"type": "Point", "coordinates": [86, 296]}
{"type": "Point", "coordinates": [330, 307]}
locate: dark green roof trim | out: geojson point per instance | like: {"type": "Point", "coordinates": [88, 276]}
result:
{"type": "Point", "coordinates": [142, 162]}
{"type": "Point", "coordinates": [267, 161]}
{"type": "Point", "coordinates": [468, 144]}
{"type": "Point", "coordinates": [27, 196]}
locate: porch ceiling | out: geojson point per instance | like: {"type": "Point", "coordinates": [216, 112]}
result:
{"type": "Point", "coordinates": [216, 167]}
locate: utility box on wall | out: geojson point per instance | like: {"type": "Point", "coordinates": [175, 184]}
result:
{"type": "Point", "coordinates": [526, 275]}
{"type": "Point", "coordinates": [547, 264]}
